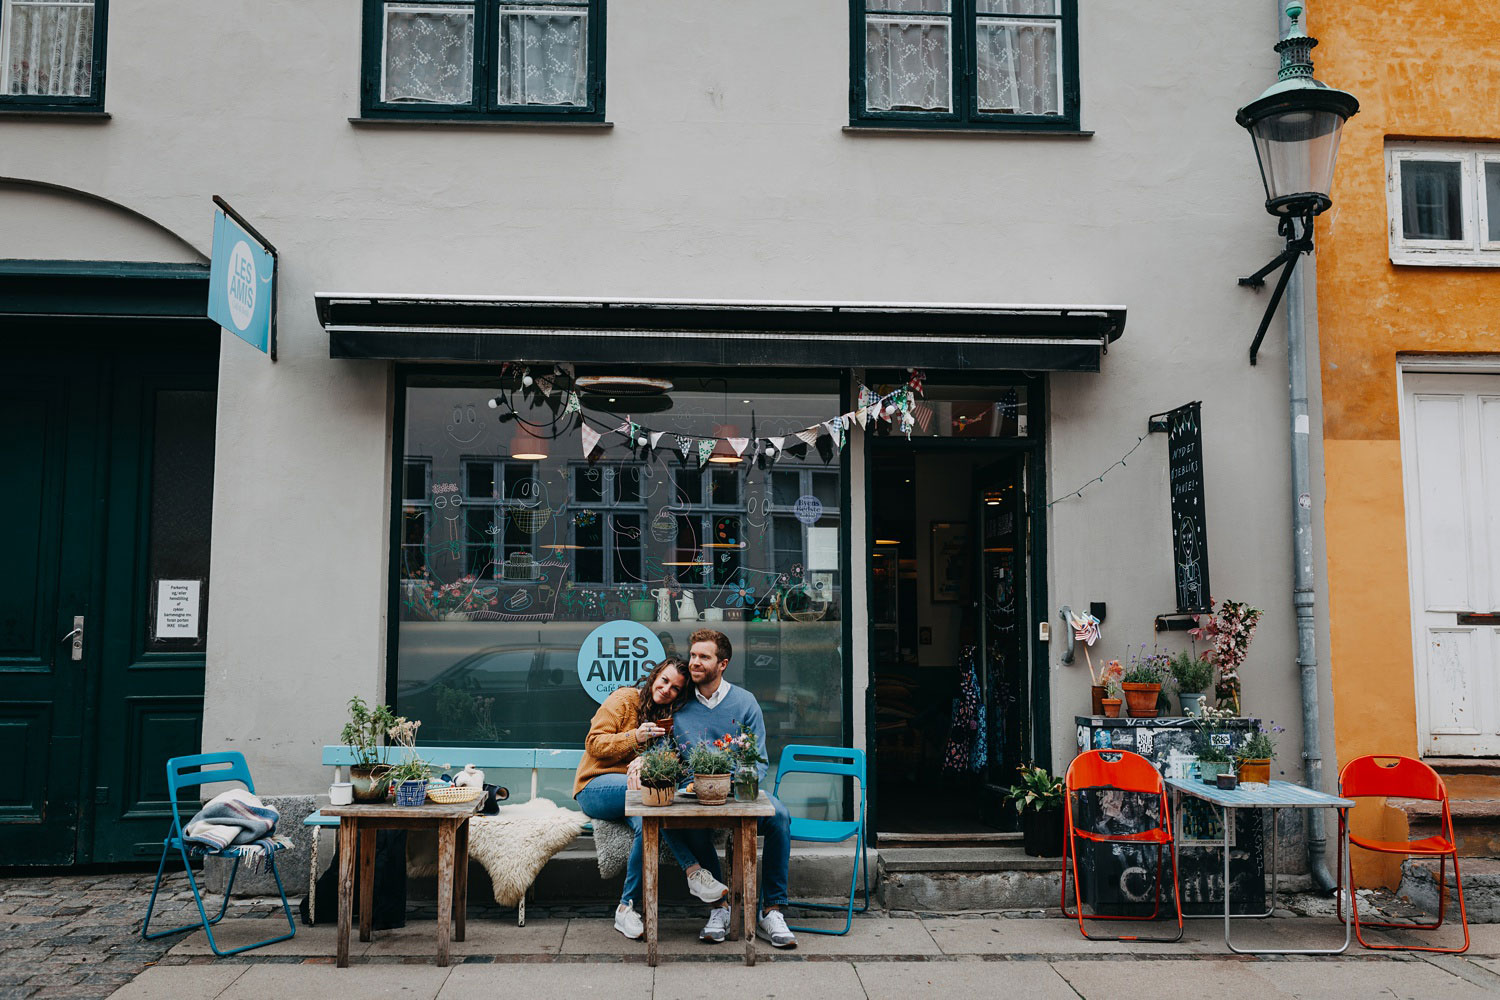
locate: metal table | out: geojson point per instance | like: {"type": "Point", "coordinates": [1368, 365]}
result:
{"type": "Point", "coordinates": [1275, 796]}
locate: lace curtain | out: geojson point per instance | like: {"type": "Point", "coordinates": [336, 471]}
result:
{"type": "Point", "coordinates": [1016, 62]}
{"type": "Point", "coordinates": [429, 54]}
{"type": "Point", "coordinates": [908, 59]}
{"type": "Point", "coordinates": [543, 56]}
{"type": "Point", "coordinates": [49, 47]}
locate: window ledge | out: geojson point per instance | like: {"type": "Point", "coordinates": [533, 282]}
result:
{"type": "Point", "coordinates": [90, 117]}
{"type": "Point", "coordinates": [1449, 258]}
{"type": "Point", "coordinates": [974, 133]}
{"type": "Point", "coordinates": [414, 122]}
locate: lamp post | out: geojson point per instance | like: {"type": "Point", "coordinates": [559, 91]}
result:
{"type": "Point", "coordinates": [1295, 125]}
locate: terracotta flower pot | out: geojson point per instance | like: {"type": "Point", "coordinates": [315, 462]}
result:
{"type": "Point", "coordinates": [1096, 702]}
{"type": "Point", "coordinates": [1142, 699]}
{"type": "Point", "coordinates": [658, 796]}
{"type": "Point", "coordinates": [711, 789]}
{"type": "Point", "coordinates": [371, 783]}
{"type": "Point", "coordinates": [1111, 707]}
{"type": "Point", "coordinates": [1258, 769]}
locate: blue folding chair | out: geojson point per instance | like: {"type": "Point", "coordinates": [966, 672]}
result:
{"type": "Point", "coordinates": [190, 772]}
{"type": "Point", "coordinates": [841, 762]}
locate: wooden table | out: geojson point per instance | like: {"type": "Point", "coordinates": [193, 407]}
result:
{"type": "Point", "coordinates": [741, 817]}
{"type": "Point", "coordinates": [357, 826]}
{"type": "Point", "coordinates": [1274, 796]}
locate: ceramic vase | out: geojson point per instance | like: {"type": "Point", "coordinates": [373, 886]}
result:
{"type": "Point", "coordinates": [658, 796]}
{"type": "Point", "coordinates": [711, 789]}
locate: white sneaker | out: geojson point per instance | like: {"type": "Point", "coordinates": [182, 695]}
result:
{"type": "Point", "coordinates": [628, 922]}
{"type": "Point", "coordinates": [717, 928]}
{"type": "Point", "coordinates": [706, 887]}
{"type": "Point", "coordinates": [772, 927]}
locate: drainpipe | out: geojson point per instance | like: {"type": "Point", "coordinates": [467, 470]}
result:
{"type": "Point", "coordinates": [1303, 596]}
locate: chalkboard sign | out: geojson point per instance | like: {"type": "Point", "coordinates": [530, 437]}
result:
{"type": "Point", "coordinates": [1189, 514]}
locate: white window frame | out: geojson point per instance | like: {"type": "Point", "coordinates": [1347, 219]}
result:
{"type": "Point", "coordinates": [1473, 250]}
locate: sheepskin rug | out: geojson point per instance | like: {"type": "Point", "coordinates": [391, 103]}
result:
{"type": "Point", "coordinates": [513, 845]}
{"type": "Point", "coordinates": [612, 843]}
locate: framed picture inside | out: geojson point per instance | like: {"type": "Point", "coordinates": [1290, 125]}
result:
{"type": "Point", "coordinates": [950, 561]}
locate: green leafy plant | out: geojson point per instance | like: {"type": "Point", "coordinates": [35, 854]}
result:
{"type": "Point", "coordinates": [403, 735]}
{"type": "Point", "coordinates": [1261, 745]}
{"type": "Point", "coordinates": [472, 714]}
{"type": "Point", "coordinates": [1146, 668]}
{"type": "Point", "coordinates": [661, 768]}
{"type": "Point", "coordinates": [1192, 673]}
{"type": "Point", "coordinates": [706, 758]}
{"type": "Point", "coordinates": [744, 749]}
{"type": "Point", "coordinates": [1208, 723]}
{"type": "Point", "coordinates": [1112, 689]}
{"type": "Point", "coordinates": [364, 729]}
{"type": "Point", "coordinates": [1038, 790]}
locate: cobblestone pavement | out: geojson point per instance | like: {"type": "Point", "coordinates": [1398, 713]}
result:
{"type": "Point", "coordinates": [78, 935]}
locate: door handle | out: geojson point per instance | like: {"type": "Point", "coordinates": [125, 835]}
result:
{"type": "Point", "coordinates": [77, 638]}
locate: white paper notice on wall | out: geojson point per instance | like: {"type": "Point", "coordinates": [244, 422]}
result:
{"type": "Point", "coordinates": [822, 548]}
{"type": "Point", "coordinates": [177, 609]}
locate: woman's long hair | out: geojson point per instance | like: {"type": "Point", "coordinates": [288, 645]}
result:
{"type": "Point", "coordinates": [650, 710]}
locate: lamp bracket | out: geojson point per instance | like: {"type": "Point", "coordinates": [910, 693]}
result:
{"type": "Point", "coordinates": [1295, 247]}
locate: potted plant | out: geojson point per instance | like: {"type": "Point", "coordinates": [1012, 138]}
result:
{"type": "Point", "coordinates": [711, 769]}
{"type": "Point", "coordinates": [745, 758]}
{"type": "Point", "coordinates": [1230, 628]}
{"type": "Point", "coordinates": [410, 776]}
{"type": "Point", "coordinates": [1254, 755]}
{"type": "Point", "coordinates": [1213, 752]}
{"type": "Point", "coordinates": [1192, 674]}
{"type": "Point", "coordinates": [1142, 684]}
{"type": "Point", "coordinates": [661, 770]}
{"type": "Point", "coordinates": [366, 725]}
{"type": "Point", "coordinates": [1039, 799]}
{"type": "Point", "coordinates": [1114, 696]}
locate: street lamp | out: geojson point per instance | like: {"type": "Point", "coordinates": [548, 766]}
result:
{"type": "Point", "coordinates": [1295, 126]}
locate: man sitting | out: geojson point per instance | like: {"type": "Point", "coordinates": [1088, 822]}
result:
{"type": "Point", "coordinates": [716, 708]}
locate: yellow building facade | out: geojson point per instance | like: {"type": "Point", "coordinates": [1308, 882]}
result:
{"type": "Point", "coordinates": [1408, 307]}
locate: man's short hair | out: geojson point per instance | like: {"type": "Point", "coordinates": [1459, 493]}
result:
{"type": "Point", "coordinates": [719, 639]}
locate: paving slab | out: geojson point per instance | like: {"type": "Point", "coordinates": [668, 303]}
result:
{"type": "Point", "coordinates": [482, 937]}
{"type": "Point", "coordinates": [1014, 936]}
{"type": "Point", "coordinates": [821, 980]}
{"type": "Point", "coordinates": [180, 982]}
{"type": "Point", "coordinates": [870, 936]}
{"type": "Point", "coordinates": [1177, 980]}
{"type": "Point", "coordinates": [1414, 980]}
{"type": "Point", "coordinates": [1206, 937]}
{"type": "Point", "coordinates": [1488, 964]}
{"type": "Point", "coordinates": [387, 981]}
{"type": "Point", "coordinates": [962, 978]}
{"type": "Point", "coordinates": [550, 981]}
{"type": "Point", "coordinates": [230, 933]}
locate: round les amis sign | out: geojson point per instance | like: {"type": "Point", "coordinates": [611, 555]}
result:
{"type": "Point", "coordinates": [615, 655]}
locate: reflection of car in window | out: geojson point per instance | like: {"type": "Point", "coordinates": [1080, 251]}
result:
{"type": "Point", "coordinates": [537, 697]}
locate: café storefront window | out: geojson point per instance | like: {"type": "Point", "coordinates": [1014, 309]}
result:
{"type": "Point", "coordinates": [515, 546]}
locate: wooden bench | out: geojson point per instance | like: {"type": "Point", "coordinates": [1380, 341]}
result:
{"type": "Point", "coordinates": [520, 769]}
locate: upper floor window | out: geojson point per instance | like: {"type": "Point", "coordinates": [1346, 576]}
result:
{"type": "Point", "coordinates": [472, 59]}
{"type": "Point", "coordinates": [52, 55]}
{"type": "Point", "coordinates": [965, 63]}
{"type": "Point", "coordinates": [1443, 200]}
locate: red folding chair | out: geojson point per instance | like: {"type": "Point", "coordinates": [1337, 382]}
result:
{"type": "Point", "coordinates": [1402, 778]}
{"type": "Point", "coordinates": [1122, 771]}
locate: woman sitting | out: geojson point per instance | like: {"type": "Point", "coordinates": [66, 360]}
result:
{"type": "Point", "coordinates": [623, 726]}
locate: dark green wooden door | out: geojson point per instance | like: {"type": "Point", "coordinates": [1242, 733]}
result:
{"type": "Point", "coordinates": [49, 413]}
{"type": "Point", "coordinates": [109, 499]}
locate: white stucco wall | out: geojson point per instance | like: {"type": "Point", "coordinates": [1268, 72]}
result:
{"type": "Point", "coordinates": [727, 174]}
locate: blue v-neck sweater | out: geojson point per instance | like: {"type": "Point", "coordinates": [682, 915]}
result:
{"type": "Point", "coordinates": [697, 723]}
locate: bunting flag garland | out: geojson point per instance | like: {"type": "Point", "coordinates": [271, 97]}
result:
{"type": "Point", "coordinates": [775, 444]}
{"type": "Point", "coordinates": [825, 449]}
{"type": "Point", "coordinates": [798, 450]}
{"type": "Point", "coordinates": [836, 430]}
{"type": "Point", "coordinates": [545, 385]}
{"type": "Point", "coordinates": [684, 445]}
{"type": "Point", "coordinates": [572, 405]}
{"type": "Point", "coordinates": [738, 444]}
{"type": "Point", "coordinates": [809, 436]}
{"type": "Point", "coordinates": [705, 449]}
{"type": "Point", "coordinates": [590, 438]}
{"type": "Point", "coordinates": [655, 437]}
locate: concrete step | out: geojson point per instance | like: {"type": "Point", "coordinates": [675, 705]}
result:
{"type": "Point", "coordinates": [964, 859]}
{"type": "Point", "coordinates": [986, 839]}
{"type": "Point", "coordinates": [1468, 777]}
{"type": "Point", "coordinates": [1476, 823]}
{"type": "Point", "coordinates": [1481, 878]}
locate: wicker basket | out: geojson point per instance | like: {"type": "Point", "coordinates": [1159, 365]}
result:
{"type": "Point", "coordinates": [450, 795]}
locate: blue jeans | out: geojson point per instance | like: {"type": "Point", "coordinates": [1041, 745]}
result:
{"type": "Point", "coordinates": [775, 860]}
{"type": "Point", "coordinates": [604, 798]}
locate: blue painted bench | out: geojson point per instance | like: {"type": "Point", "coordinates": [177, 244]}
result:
{"type": "Point", "coordinates": [528, 770]}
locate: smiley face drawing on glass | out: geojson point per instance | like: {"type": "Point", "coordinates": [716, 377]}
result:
{"type": "Point", "coordinates": [449, 505]}
{"type": "Point", "coordinates": [527, 505]}
{"type": "Point", "coordinates": [464, 425]}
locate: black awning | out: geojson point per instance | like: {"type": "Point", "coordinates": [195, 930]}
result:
{"type": "Point", "coordinates": [711, 332]}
